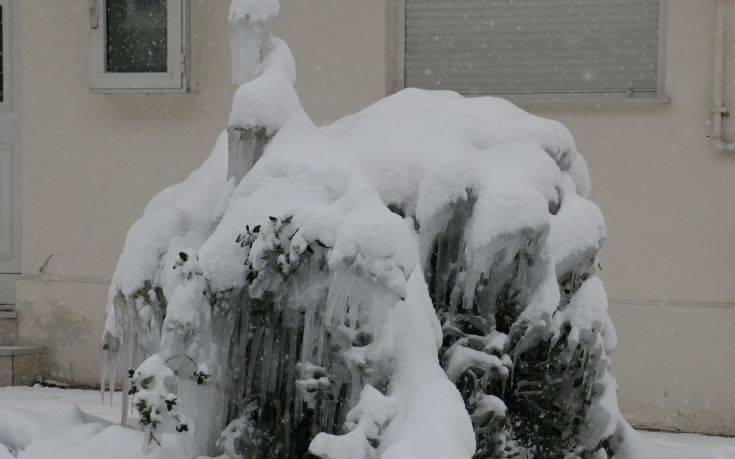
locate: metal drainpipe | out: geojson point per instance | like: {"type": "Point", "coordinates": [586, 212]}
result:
{"type": "Point", "coordinates": [719, 110]}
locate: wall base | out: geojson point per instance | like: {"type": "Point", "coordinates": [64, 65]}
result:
{"type": "Point", "coordinates": [67, 318]}
{"type": "Point", "coordinates": [675, 364]}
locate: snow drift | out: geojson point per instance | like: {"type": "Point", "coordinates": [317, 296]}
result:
{"type": "Point", "coordinates": [414, 280]}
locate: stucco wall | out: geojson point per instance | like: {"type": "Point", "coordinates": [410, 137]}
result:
{"type": "Point", "coordinates": [669, 261]}
{"type": "Point", "coordinates": [92, 161]}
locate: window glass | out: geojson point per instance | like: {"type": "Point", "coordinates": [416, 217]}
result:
{"type": "Point", "coordinates": [137, 39]}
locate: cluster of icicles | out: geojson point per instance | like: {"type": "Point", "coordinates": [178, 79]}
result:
{"type": "Point", "coordinates": [292, 351]}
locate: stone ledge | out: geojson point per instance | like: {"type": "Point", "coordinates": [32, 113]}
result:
{"type": "Point", "coordinates": [13, 351]}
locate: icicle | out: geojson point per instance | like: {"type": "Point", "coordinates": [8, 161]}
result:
{"type": "Point", "coordinates": [253, 359]}
{"type": "Point", "coordinates": [295, 322]}
{"type": "Point", "coordinates": [266, 361]}
{"type": "Point", "coordinates": [103, 378]}
{"type": "Point", "coordinates": [341, 284]}
{"type": "Point", "coordinates": [113, 377]}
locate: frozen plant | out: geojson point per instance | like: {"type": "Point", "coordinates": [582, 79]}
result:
{"type": "Point", "coordinates": [156, 405]}
{"type": "Point", "coordinates": [414, 280]}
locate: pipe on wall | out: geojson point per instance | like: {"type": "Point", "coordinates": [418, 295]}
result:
{"type": "Point", "coordinates": [718, 109]}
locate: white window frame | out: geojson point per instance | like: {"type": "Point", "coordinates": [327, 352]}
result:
{"type": "Point", "coordinates": [178, 78]}
{"type": "Point", "coordinates": [399, 66]}
{"type": "Point", "coordinates": [10, 157]}
{"type": "Point", "coordinates": [6, 104]}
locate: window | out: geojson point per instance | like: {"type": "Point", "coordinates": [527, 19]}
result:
{"type": "Point", "coordinates": [140, 45]}
{"type": "Point", "coordinates": [537, 48]}
{"type": "Point", "coordinates": [2, 63]}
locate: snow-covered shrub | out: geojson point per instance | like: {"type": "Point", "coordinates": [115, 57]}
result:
{"type": "Point", "coordinates": [414, 280]}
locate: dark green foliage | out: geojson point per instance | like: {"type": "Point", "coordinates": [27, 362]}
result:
{"type": "Point", "coordinates": [146, 382]}
{"type": "Point", "coordinates": [200, 376]}
{"type": "Point", "coordinates": [280, 424]}
{"type": "Point", "coordinates": [279, 255]}
{"type": "Point", "coordinates": [547, 386]}
{"type": "Point", "coordinates": [551, 385]}
{"type": "Point", "coordinates": [470, 326]}
{"type": "Point", "coordinates": [570, 282]}
{"type": "Point", "coordinates": [551, 393]}
{"type": "Point", "coordinates": [397, 209]}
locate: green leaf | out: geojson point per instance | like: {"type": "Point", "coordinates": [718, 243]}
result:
{"type": "Point", "coordinates": [146, 383]}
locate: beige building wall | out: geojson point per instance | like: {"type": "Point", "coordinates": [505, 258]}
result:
{"type": "Point", "coordinates": [92, 161]}
{"type": "Point", "coordinates": [669, 261]}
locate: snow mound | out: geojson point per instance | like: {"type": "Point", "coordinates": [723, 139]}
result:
{"type": "Point", "coordinates": [368, 196]}
{"type": "Point", "coordinates": [46, 411]}
{"type": "Point", "coordinates": [361, 273]}
{"type": "Point", "coordinates": [59, 430]}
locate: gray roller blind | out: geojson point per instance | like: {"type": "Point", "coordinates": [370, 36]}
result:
{"type": "Point", "coordinates": [533, 46]}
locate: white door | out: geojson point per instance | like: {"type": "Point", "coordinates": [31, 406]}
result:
{"type": "Point", "coordinates": [10, 160]}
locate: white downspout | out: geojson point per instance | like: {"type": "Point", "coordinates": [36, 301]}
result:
{"type": "Point", "coordinates": [719, 110]}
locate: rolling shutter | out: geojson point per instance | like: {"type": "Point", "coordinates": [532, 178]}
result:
{"type": "Point", "coordinates": [533, 46]}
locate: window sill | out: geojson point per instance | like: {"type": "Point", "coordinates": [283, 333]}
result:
{"type": "Point", "coordinates": [586, 99]}
{"type": "Point", "coordinates": [612, 99]}
{"type": "Point", "coordinates": [141, 90]}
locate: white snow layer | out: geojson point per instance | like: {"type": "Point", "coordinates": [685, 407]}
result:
{"type": "Point", "coordinates": [254, 10]}
{"type": "Point", "coordinates": [51, 427]}
{"type": "Point", "coordinates": [46, 423]}
{"type": "Point", "coordinates": [373, 189]}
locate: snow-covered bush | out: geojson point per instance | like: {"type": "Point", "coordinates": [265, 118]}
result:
{"type": "Point", "coordinates": [414, 280]}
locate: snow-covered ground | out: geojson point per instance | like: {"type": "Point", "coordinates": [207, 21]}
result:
{"type": "Point", "coordinates": [44, 399]}
{"type": "Point", "coordinates": [686, 439]}
{"type": "Point", "coordinates": [48, 423]}
{"type": "Point", "coordinates": [65, 432]}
